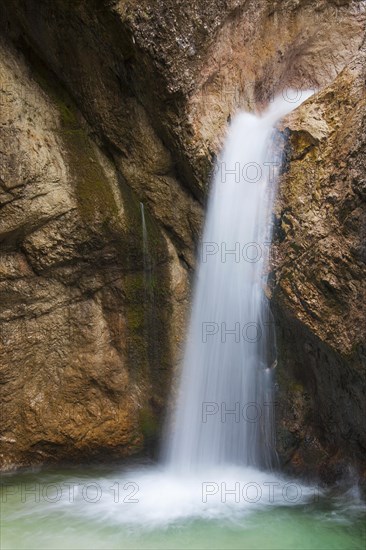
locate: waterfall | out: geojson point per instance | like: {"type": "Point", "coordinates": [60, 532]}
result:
{"type": "Point", "coordinates": [224, 409]}
{"type": "Point", "coordinates": [149, 294]}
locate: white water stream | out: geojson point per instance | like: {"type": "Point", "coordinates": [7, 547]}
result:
{"type": "Point", "coordinates": [225, 407]}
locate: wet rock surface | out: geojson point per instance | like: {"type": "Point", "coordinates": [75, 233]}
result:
{"type": "Point", "coordinates": [319, 291]}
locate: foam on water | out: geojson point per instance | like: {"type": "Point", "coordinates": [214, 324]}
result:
{"type": "Point", "coordinates": [154, 497]}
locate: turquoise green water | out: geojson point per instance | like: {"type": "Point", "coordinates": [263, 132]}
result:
{"type": "Point", "coordinates": [148, 509]}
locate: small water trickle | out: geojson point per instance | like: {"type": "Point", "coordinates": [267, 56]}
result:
{"type": "Point", "coordinates": [147, 264]}
{"type": "Point", "coordinates": [149, 294]}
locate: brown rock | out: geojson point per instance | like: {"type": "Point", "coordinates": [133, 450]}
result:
{"type": "Point", "coordinates": [320, 291]}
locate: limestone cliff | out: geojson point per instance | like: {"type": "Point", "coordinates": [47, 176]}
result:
{"type": "Point", "coordinates": [109, 104]}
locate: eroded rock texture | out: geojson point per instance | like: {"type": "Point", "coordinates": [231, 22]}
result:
{"type": "Point", "coordinates": [109, 104]}
{"type": "Point", "coordinates": [320, 290]}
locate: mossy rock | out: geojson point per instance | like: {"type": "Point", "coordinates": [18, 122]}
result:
{"type": "Point", "coordinates": [96, 201]}
{"type": "Point", "coordinates": [149, 424]}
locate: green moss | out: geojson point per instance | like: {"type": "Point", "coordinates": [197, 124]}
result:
{"type": "Point", "coordinates": [135, 318]}
{"type": "Point", "coordinates": [68, 117]}
{"type": "Point", "coordinates": [135, 287]}
{"type": "Point", "coordinates": [295, 387]}
{"type": "Point", "coordinates": [95, 197]}
{"type": "Point", "coordinates": [148, 424]}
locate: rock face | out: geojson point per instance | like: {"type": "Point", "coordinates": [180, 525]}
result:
{"type": "Point", "coordinates": [107, 105]}
{"type": "Point", "coordinates": [85, 337]}
{"type": "Point", "coordinates": [319, 288]}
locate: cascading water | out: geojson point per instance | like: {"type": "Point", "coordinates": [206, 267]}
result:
{"type": "Point", "coordinates": [224, 408]}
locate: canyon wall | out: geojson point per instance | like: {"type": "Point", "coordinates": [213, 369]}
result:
{"type": "Point", "coordinates": [319, 290]}
{"type": "Point", "coordinates": [107, 105]}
